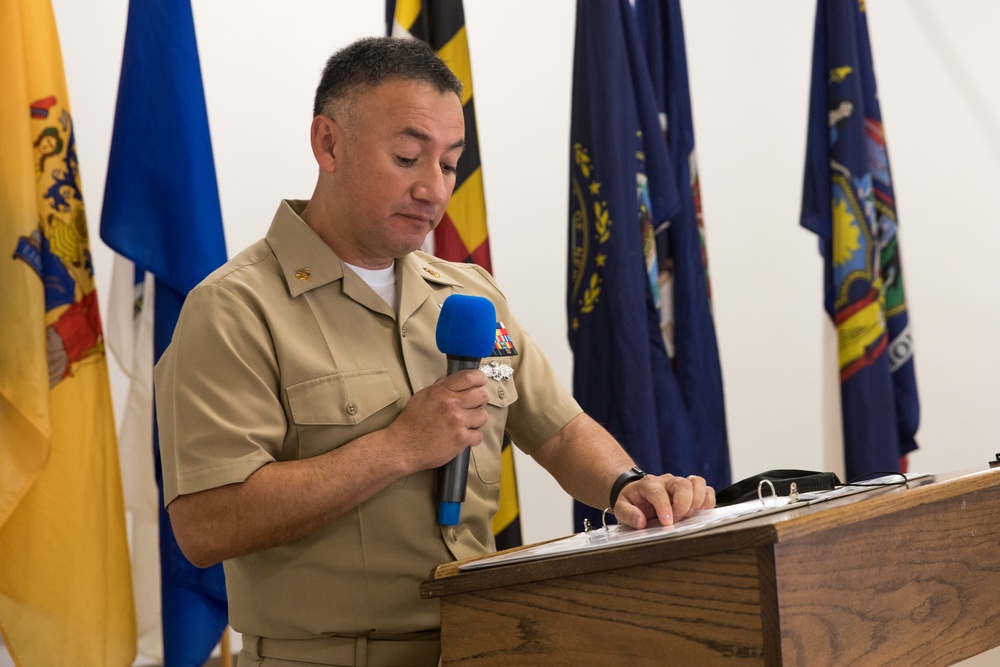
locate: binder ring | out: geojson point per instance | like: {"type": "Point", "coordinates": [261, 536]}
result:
{"type": "Point", "coordinates": [604, 517]}
{"type": "Point", "coordinates": [760, 489]}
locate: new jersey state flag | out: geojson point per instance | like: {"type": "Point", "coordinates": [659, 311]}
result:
{"type": "Point", "coordinates": [622, 186]}
{"type": "Point", "coordinates": [162, 214]}
{"type": "Point", "coordinates": [848, 201]}
{"type": "Point", "coordinates": [65, 585]}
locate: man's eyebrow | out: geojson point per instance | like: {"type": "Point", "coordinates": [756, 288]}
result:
{"type": "Point", "coordinates": [420, 135]}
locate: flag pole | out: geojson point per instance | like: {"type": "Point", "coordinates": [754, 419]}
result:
{"type": "Point", "coordinates": [226, 657]}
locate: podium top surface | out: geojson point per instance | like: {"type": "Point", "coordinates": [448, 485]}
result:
{"type": "Point", "coordinates": [794, 522]}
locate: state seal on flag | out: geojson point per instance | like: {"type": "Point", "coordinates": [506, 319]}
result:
{"type": "Point", "coordinates": [58, 249]}
{"type": "Point", "coordinates": [587, 234]}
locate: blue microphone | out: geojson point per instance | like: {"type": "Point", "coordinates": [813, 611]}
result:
{"type": "Point", "coordinates": [466, 331]}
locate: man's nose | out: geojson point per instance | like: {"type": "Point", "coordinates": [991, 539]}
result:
{"type": "Point", "coordinates": [433, 185]}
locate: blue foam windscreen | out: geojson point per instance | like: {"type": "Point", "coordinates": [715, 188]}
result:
{"type": "Point", "coordinates": [466, 326]}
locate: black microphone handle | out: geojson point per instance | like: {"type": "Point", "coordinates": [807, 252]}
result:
{"type": "Point", "coordinates": [453, 476]}
{"type": "Point", "coordinates": [457, 364]}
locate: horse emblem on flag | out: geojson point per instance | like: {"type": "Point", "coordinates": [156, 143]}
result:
{"type": "Point", "coordinates": [57, 250]}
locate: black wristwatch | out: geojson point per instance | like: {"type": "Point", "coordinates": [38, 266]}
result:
{"type": "Point", "coordinates": [632, 474]}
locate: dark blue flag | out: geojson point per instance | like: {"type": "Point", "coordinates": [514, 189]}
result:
{"type": "Point", "coordinates": [161, 211]}
{"type": "Point", "coordinates": [621, 187]}
{"type": "Point", "coordinates": [849, 203]}
{"type": "Point", "coordinates": [686, 311]}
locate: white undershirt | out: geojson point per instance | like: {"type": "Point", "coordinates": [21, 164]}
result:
{"type": "Point", "coordinates": [383, 281]}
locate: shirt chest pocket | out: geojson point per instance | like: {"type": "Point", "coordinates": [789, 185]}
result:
{"type": "Point", "coordinates": [486, 456]}
{"type": "Point", "coordinates": [330, 411]}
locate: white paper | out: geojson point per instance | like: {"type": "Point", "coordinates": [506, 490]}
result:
{"type": "Point", "coordinates": [616, 535]}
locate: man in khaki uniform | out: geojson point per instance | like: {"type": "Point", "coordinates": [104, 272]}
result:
{"type": "Point", "coordinates": [303, 406]}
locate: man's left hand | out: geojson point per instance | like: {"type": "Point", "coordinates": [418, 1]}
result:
{"type": "Point", "coordinates": [665, 498]}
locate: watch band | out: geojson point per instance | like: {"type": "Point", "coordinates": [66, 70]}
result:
{"type": "Point", "coordinates": [632, 474]}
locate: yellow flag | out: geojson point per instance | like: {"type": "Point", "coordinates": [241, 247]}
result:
{"type": "Point", "coordinates": [65, 584]}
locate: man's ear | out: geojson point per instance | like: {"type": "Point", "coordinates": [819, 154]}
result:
{"type": "Point", "coordinates": [325, 137]}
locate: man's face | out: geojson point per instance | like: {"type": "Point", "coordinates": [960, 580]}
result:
{"type": "Point", "coordinates": [397, 167]}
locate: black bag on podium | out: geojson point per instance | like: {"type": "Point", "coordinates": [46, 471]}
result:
{"type": "Point", "coordinates": [806, 481]}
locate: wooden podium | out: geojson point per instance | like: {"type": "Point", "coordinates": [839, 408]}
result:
{"type": "Point", "coordinates": [907, 575]}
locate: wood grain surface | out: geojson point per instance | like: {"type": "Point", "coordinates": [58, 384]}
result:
{"type": "Point", "coordinates": [901, 576]}
{"type": "Point", "coordinates": [917, 587]}
{"type": "Point", "coordinates": [699, 611]}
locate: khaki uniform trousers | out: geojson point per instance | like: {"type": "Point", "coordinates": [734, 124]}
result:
{"type": "Point", "coordinates": [416, 649]}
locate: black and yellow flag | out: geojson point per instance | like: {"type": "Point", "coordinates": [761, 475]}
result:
{"type": "Point", "coordinates": [462, 235]}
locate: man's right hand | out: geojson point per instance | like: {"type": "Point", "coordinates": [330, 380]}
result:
{"type": "Point", "coordinates": [441, 420]}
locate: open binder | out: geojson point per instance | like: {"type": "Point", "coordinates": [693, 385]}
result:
{"type": "Point", "coordinates": [604, 537]}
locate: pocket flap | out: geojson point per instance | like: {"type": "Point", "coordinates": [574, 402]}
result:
{"type": "Point", "coordinates": [341, 398]}
{"type": "Point", "coordinates": [501, 394]}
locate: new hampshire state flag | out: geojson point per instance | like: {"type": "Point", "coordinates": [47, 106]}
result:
{"type": "Point", "coordinates": [162, 214]}
{"type": "Point", "coordinates": [848, 201]}
{"type": "Point", "coordinates": [65, 586]}
{"type": "Point", "coordinates": [622, 187]}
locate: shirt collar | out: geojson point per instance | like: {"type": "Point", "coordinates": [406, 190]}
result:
{"type": "Point", "coordinates": [307, 262]}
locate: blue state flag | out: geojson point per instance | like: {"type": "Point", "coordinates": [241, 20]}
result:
{"type": "Point", "coordinates": [686, 307]}
{"type": "Point", "coordinates": [621, 188]}
{"type": "Point", "coordinates": [848, 201]}
{"type": "Point", "coordinates": [161, 211]}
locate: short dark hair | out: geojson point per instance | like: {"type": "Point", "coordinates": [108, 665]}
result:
{"type": "Point", "coordinates": [370, 61]}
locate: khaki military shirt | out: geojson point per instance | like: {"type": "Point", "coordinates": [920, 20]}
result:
{"type": "Point", "coordinates": [282, 354]}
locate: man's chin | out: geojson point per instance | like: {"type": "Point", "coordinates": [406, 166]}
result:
{"type": "Point", "coordinates": [412, 237]}
{"type": "Point", "coordinates": [421, 241]}
{"type": "Point", "coordinates": [424, 243]}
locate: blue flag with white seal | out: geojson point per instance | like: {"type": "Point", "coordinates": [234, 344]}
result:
{"type": "Point", "coordinates": [161, 211]}
{"type": "Point", "coordinates": [849, 202]}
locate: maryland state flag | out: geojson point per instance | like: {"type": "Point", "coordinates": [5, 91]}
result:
{"type": "Point", "coordinates": [65, 585]}
{"type": "Point", "coordinates": [162, 214]}
{"type": "Point", "coordinates": [685, 295]}
{"type": "Point", "coordinates": [622, 187]}
{"type": "Point", "coordinates": [462, 235]}
{"type": "Point", "coordinates": [849, 203]}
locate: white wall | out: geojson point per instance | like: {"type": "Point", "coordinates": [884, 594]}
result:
{"type": "Point", "coordinates": [749, 66]}
{"type": "Point", "coordinates": [749, 63]}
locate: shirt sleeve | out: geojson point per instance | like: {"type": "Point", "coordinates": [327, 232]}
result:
{"type": "Point", "coordinates": [544, 405]}
{"type": "Point", "coordinates": [219, 414]}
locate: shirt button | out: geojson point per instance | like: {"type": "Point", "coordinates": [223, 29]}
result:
{"type": "Point", "coordinates": [454, 535]}
{"type": "Point", "coordinates": [351, 408]}
{"type": "Point", "coordinates": [403, 331]}
{"type": "Point", "coordinates": [501, 393]}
